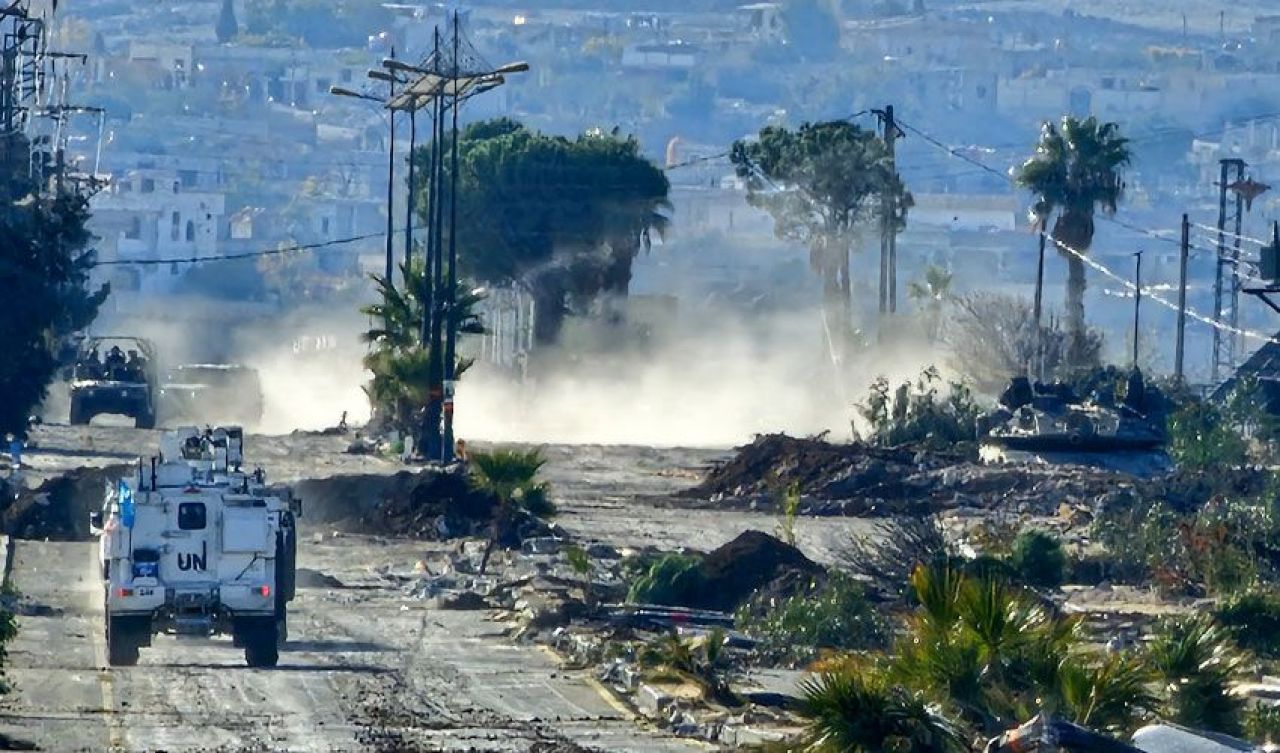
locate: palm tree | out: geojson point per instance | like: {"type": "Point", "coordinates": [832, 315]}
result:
{"type": "Point", "coordinates": [1196, 663]}
{"type": "Point", "coordinates": [702, 661]}
{"type": "Point", "coordinates": [1105, 694]}
{"type": "Point", "coordinates": [399, 310]}
{"type": "Point", "coordinates": [856, 709]}
{"type": "Point", "coordinates": [1075, 171]}
{"type": "Point", "coordinates": [511, 477]}
{"type": "Point", "coordinates": [402, 367]}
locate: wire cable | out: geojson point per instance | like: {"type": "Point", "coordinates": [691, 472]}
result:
{"type": "Point", "coordinates": [246, 254]}
{"type": "Point", "coordinates": [1229, 234]}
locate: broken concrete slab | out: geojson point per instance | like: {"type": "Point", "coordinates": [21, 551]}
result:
{"type": "Point", "coordinates": [652, 701]}
{"type": "Point", "coordinates": [1171, 738]}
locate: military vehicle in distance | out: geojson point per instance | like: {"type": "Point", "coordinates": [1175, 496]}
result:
{"type": "Point", "coordinates": [114, 375]}
{"type": "Point", "coordinates": [1054, 422]}
{"type": "Point", "coordinates": [211, 392]}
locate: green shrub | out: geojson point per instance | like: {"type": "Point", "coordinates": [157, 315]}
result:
{"type": "Point", "coordinates": [834, 615]}
{"type": "Point", "coordinates": [916, 412]}
{"type": "Point", "coordinates": [1224, 547]}
{"type": "Point", "coordinates": [1038, 559]}
{"type": "Point", "coordinates": [1253, 620]}
{"type": "Point", "coordinates": [672, 580]}
{"type": "Point", "coordinates": [1262, 724]}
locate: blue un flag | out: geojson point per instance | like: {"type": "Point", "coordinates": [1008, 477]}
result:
{"type": "Point", "coordinates": [126, 505]}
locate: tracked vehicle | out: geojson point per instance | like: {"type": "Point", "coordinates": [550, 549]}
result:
{"type": "Point", "coordinates": [195, 545]}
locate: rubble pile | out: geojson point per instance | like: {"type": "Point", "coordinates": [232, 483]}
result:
{"type": "Point", "coordinates": [856, 479]}
{"type": "Point", "coordinates": [58, 509]}
{"type": "Point", "coordinates": [773, 462]}
{"type": "Point", "coordinates": [427, 504]}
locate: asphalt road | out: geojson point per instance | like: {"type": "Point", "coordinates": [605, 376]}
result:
{"type": "Point", "coordinates": [367, 667]}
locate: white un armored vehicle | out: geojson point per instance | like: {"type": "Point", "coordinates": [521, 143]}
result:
{"type": "Point", "coordinates": [194, 545]}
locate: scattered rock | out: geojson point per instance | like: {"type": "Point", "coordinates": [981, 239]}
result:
{"type": "Point", "coordinates": [465, 601]}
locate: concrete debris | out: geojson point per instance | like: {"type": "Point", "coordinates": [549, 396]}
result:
{"type": "Point", "coordinates": [466, 600]}
{"type": "Point", "coordinates": [860, 480]}
{"type": "Point", "coordinates": [1049, 734]}
{"type": "Point", "coordinates": [651, 701]}
{"type": "Point", "coordinates": [1171, 738]}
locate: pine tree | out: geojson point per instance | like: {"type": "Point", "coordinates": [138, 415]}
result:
{"type": "Point", "coordinates": [44, 273]}
{"type": "Point", "coordinates": [228, 28]}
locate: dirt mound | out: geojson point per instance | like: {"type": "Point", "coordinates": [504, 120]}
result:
{"type": "Point", "coordinates": [862, 480]}
{"type": "Point", "coordinates": [773, 463]}
{"type": "Point", "coordinates": [754, 561]}
{"type": "Point", "coordinates": [59, 508]}
{"type": "Point", "coordinates": [430, 503]}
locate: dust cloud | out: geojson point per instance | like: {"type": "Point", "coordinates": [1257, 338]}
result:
{"type": "Point", "coordinates": [708, 378]}
{"type": "Point", "coordinates": [308, 360]}
{"type": "Point", "coordinates": [713, 382]}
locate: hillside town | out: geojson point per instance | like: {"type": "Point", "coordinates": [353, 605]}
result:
{"type": "Point", "coordinates": [828, 376]}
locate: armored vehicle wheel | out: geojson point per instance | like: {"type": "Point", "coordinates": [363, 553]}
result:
{"type": "Point", "coordinates": [79, 416]}
{"type": "Point", "coordinates": [282, 627]}
{"type": "Point", "coordinates": [260, 643]}
{"type": "Point", "coordinates": [145, 420]}
{"type": "Point", "coordinates": [123, 641]}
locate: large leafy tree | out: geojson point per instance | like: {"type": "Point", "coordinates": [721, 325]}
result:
{"type": "Point", "coordinates": [44, 273]}
{"type": "Point", "coordinates": [821, 183]}
{"type": "Point", "coordinates": [561, 218]}
{"type": "Point", "coordinates": [1076, 170]}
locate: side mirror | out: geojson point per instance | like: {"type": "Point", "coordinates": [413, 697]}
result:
{"type": "Point", "coordinates": [95, 519]}
{"type": "Point", "coordinates": [295, 505]}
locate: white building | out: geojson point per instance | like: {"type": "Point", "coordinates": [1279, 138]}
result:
{"type": "Point", "coordinates": [147, 215]}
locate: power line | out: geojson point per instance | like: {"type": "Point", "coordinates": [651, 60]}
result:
{"type": "Point", "coordinates": [243, 255]}
{"type": "Point", "coordinates": [695, 161]}
{"type": "Point", "coordinates": [1098, 266]}
{"type": "Point", "coordinates": [1232, 235]}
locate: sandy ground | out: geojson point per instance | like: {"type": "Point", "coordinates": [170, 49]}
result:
{"type": "Point", "coordinates": [367, 668]}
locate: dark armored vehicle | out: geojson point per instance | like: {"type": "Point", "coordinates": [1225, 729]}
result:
{"type": "Point", "coordinates": [212, 393]}
{"type": "Point", "coordinates": [1054, 419]}
{"type": "Point", "coordinates": [114, 375]}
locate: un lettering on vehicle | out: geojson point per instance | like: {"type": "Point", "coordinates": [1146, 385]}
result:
{"type": "Point", "coordinates": [192, 562]}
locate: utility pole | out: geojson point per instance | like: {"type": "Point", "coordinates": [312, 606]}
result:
{"type": "Point", "coordinates": [888, 214]}
{"type": "Point", "coordinates": [411, 201]}
{"type": "Point", "coordinates": [391, 183]}
{"type": "Point", "coordinates": [431, 417]}
{"type": "Point", "coordinates": [1137, 303]}
{"type": "Point", "coordinates": [1042, 230]}
{"type": "Point", "coordinates": [428, 285]}
{"type": "Point", "coordinates": [1235, 343]}
{"type": "Point", "coordinates": [451, 331]}
{"type": "Point", "coordinates": [1224, 347]}
{"type": "Point", "coordinates": [1179, 354]}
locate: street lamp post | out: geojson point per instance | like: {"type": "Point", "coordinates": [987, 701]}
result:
{"type": "Point", "coordinates": [451, 332]}
{"type": "Point", "coordinates": [389, 268]}
{"type": "Point", "coordinates": [443, 87]}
